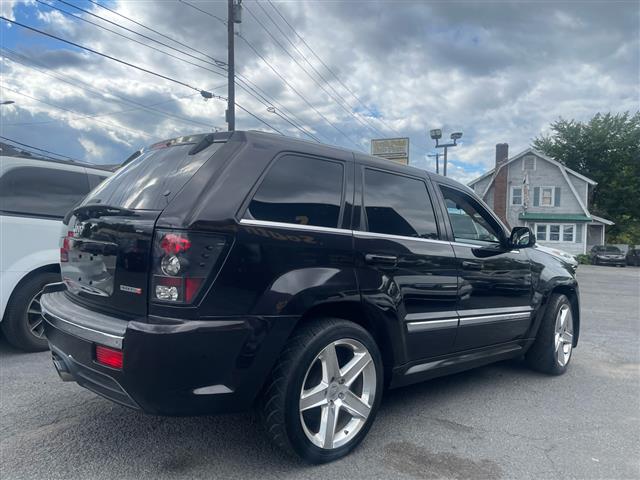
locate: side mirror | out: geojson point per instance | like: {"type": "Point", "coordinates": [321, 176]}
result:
{"type": "Point", "coordinates": [521, 237]}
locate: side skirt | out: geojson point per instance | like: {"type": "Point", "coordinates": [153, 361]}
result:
{"type": "Point", "coordinates": [419, 371]}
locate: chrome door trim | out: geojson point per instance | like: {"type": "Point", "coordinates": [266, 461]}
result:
{"type": "Point", "coordinates": [429, 325]}
{"type": "Point", "coordinates": [477, 312]}
{"type": "Point", "coordinates": [504, 317]}
{"type": "Point", "coordinates": [295, 226]}
{"type": "Point", "coordinates": [360, 233]}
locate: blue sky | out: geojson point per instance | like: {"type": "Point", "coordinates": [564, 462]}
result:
{"type": "Point", "coordinates": [498, 71]}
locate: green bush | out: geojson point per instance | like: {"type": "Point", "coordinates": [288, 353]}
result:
{"type": "Point", "coordinates": [584, 259]}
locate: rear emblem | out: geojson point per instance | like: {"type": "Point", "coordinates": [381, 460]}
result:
{"type": "Point", "coordinates": [78, 228]}
{"type": "Point", "coordinates": [127, 288]}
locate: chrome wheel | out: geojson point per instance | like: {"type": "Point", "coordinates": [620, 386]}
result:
{"type": "Point", "coordinates": [564, 335]}
{"type": "Point", "coordinates": [35, 322]}
{"type": "Point", "coordinates": [337, 393]}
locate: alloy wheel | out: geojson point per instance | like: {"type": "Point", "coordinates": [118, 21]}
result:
{"type": "Point", "coordinates": [563, 335]}
{"type": "Point", "coordinates": [35, 321]}
{"type": "Point", "coordinates": [337, 393]}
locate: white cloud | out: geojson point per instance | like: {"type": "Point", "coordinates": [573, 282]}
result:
{"type": "Point", "coordinates": [498, 71]}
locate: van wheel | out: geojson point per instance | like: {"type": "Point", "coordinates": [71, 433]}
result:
{"type": "Point", "coordinates": [551, 351]}
{"type": "Point", "coordinates": [23, 325]}
{"type": "Point", "coordinates": [323, 394]}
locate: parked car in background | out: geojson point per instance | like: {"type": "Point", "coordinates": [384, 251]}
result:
{"type": "Point", "coordinates": [607, 255]}
{"type": "Point", "coordinates": [35, 194]}
{"type": "Point", "coordinates": [633, 257]}
{"type": "Point", "coordinates": [252, 268]}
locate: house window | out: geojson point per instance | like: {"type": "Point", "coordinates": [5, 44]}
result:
{"type": "Point", "coordinates": [541, 232]}
{"type": "Point", "coordinates": [555, 232]}
{"type": "Point", "coordinates": [567, 233]}
{"type": "Point", "coordinates": [529, 162]}
{"type": "Point", "coordinates": [546, 196]}
{"type": "Point", "coordinates": [516, 195]}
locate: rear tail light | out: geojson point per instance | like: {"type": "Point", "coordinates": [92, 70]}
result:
{"type": "Point", "coordinates": [65, 246]}
{"type": "Point", "coordinates": [182, 261]}
{"type": "Point", "coordinates": [109, 357]}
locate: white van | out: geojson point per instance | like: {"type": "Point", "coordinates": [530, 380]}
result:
{"type": "Point", "coordinates": [35, 194]}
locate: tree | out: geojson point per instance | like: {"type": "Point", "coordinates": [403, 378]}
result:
{"type": "Point", "coordinates": [606, 149]}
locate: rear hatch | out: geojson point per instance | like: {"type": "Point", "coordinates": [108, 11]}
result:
{"type": "Point", "coordinates": [106, 243]}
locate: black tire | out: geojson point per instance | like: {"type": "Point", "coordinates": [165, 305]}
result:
{"type": "Point", "coordinates": [543, 356]}
{"type": "Point", "coordinates": [281, 398]}
{"type": "Point", "coordinates": [15, 324]}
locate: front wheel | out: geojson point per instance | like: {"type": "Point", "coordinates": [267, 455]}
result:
{"type": "Point", "coordinates": [552, 349]}
{"type": "Point", "coordinates": [324, 391]}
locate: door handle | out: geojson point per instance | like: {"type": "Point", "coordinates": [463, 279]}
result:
{"type": "Point", "coordinates": [467, 265]}
{"type": "Point", "coordinates": [381, 259]}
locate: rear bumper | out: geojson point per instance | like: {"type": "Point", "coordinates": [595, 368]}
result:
{"type": "Point", "coordinates": [170, 368]}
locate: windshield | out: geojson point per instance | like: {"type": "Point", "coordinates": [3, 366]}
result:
{"type": "Point", "coordinates": [150, 181]}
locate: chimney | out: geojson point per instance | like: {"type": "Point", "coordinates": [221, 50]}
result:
{"type": "Point", "coordinates": [500, 194]}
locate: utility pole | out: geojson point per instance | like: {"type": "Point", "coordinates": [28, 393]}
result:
{"type": "Point", "coordinates": [234, 16]}
{"type": "Point", "coordinates": [437, 157]}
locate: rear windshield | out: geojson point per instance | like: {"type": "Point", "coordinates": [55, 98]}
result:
{"type": "Point", "coordinates": [150, 181]}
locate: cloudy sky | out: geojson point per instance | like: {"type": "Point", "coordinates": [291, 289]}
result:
{"type": "Point", "coordinates": [350, 71]}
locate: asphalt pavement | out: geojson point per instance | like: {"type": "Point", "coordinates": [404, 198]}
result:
{"type": "Point", "coordinates": [497, 422]}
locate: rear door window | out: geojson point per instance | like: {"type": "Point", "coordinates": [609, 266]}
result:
{"type": "Point", "coordinates": [300, 190]}
{"type": "Point", "coordinates": [398, 205]}
{"type": "Point", "coordinates": [41, 191]}
{"type": "Point", "coordinates": [150, 181]}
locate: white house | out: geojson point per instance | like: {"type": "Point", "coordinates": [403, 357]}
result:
{"type": "Point", "coordinates": [533, 190]}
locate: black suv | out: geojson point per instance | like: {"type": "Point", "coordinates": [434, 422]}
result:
{"type": "Point", "coordinates": [219, 271]}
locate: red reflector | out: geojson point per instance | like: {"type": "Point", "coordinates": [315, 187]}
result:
{"type": "Point", "coordinates": [172, 244]}
{"type": "Point", "coordinates": [109, 357]}
{"type": "Point", "coordinates": [192, 285]}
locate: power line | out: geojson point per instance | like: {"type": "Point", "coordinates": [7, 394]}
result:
{"type": "Point", "coordinates": [328, 68]}
{"type": "Point", "coordinates": [217, 63]}
{"type": "Point", "coordinates": [297, 63]}
{"type": "Point", "coordinates": [255, 50]}
{"type": "Point", "coordinates": [39, 149]}
{"type": "Point", "coordinates": [82, 47]}
{"type": "Point", "coordinates": [80, 115]}
{"type": "Point", "coordinates": [255, 91]}
{"type": "Point", "coordinates": [332, 72]}
{"type": "Point", "coordinates": [130, 38]}
{"type": "Point", "coordinates": [203, 11]}
{"type": "Point", "coordinates": [340, 101]}
{"type": "Point", "coordinates": [16, 57]}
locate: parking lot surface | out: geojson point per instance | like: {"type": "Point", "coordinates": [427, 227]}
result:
{"type": "Point", "coordinates": [500, 421]}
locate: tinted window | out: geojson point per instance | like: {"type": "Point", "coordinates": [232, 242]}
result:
{"type": "Point", "coordinates": [301, 190]}
{"type": "Point", "coordinates": [469, 221]}
{"type": "Point", "coordinates": [41, 191]}
{"type": "Point", "coordinates": [150, 181]}
{"type": "Point", "coordinates": [398, 205]}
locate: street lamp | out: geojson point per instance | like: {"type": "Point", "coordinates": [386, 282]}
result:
{"type": "Point", "coordinates": [7, 102]}
{"type": "Point", "coordinates": [436, 134]}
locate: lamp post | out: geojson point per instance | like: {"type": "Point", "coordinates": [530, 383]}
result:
{"type": "Point", "coordinates": [437, 157]}
{"type": "Point", "coordinates": [436, 134]}
{"type": "Point", "coordinates": [7, 102]}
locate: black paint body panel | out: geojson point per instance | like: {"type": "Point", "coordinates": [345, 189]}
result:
{"type": "Point", "coordinates": [273, 276]}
